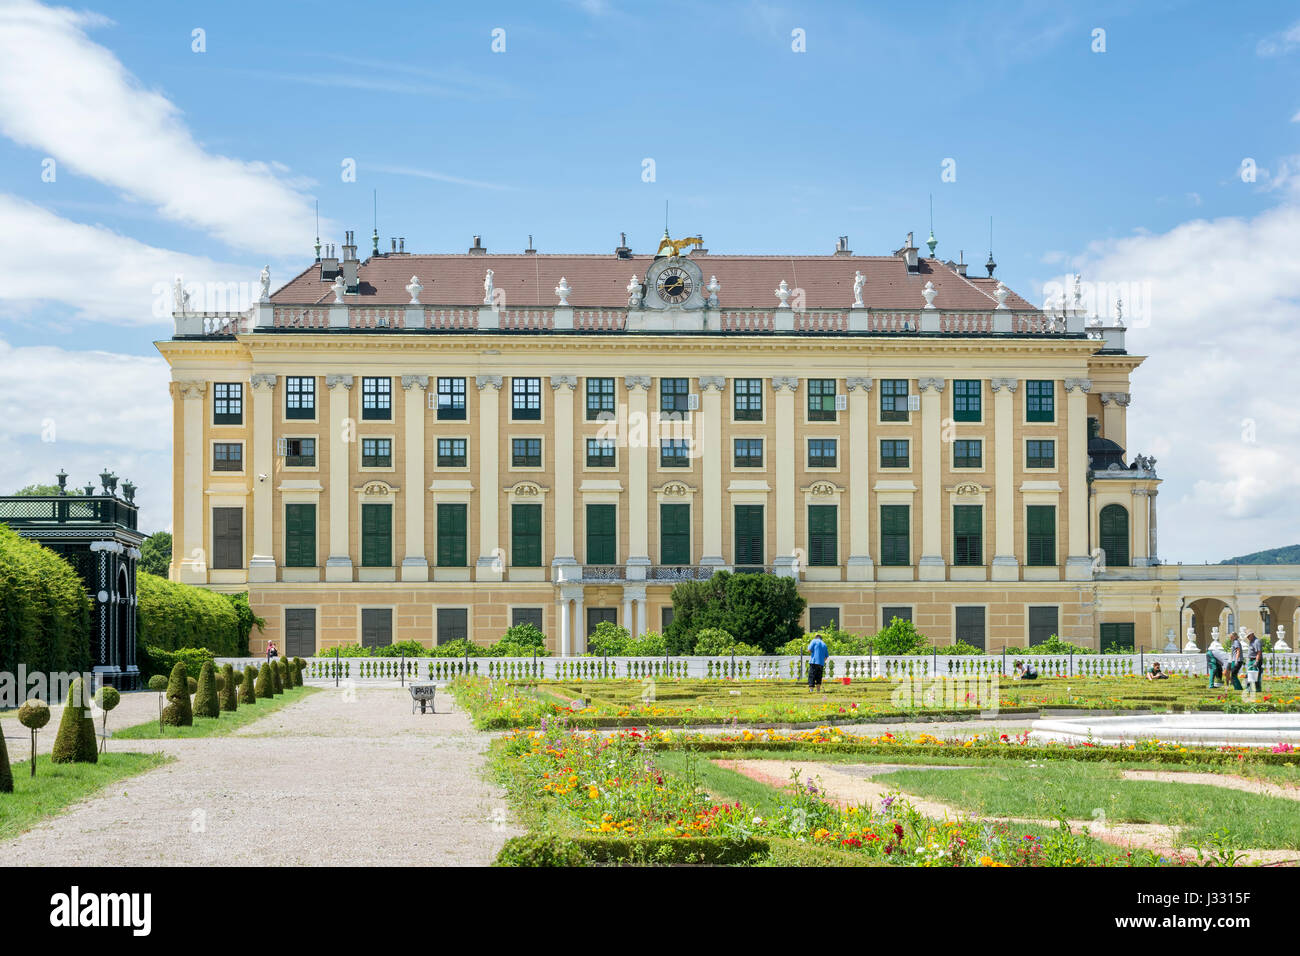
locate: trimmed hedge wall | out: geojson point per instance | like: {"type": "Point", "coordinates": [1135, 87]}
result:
{"type": "Point", "coordinates": [174, 615]}
{"type": "Point", "coordinates": [44, 609]}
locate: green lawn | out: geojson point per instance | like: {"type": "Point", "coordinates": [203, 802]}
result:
{"type": "Point", "coordinates": [208, 727]}
{"type": "Point", "coordinates": [59, 785]}
{"type": "Point", "coordinates": [1080, 790]}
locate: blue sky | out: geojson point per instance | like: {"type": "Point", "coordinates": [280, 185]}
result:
{"type": "Point", "coordinates": [1105, 162]}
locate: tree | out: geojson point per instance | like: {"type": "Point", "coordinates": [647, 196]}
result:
{"type": "Point", "coordinates": [75, 741]}
{"type": "Point", "coordinates": [247, 689]}
{"type": "Point", "coordinates": [205, 698]}
{"type": "Point", "coordinates": [40, 491]}
{"type": "Point", "coordinates": [229, 692]}
{"type": "Point", "coordinates": [108, 698]}
{"type": "Point", "coordinates": [762, 610]}
{"type": "Point", "coordinates": [900, 637]}
{"type": "Point", "coordinates": [156, 554]}
{"type": "Point", "coordinates": [277, 676]}
{"type": "Point", "coordinates": [34, 714]}
{"type": "Point", "coordinates": [178, 713]}
{"type": "Point", "coordinates": [265, 686]}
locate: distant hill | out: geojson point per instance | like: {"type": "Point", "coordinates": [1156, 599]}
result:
{"type": "Point", "coordinates": [1288, 555]}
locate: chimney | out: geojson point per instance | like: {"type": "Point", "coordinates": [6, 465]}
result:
{"type": "Point", "coordinates": [350, 263]}
{"type": "Point", "coordinates": [623, 251]}
{"type": "Point", "coordinates": [401, 245]}
{"type": "Point", "coordinates": [842, 246]}
{"type": "Point", "coordinates": [477, 249]}
{"type": "Point", "coordinates": [960, 266]}
{"type": "Point", "coordinates": [909, 255]}
{"type": "Point", "coordinates": [329, 264]}
{"type": "Point", "coordinates": [530, 251]}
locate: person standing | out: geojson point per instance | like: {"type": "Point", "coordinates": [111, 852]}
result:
{"type": "Point", "coordinates": [271, 651]}
{"type": "Point", "coordinates": [817, 654]}
{"type": "Point", "coordinates": [1238, 660]}
{"type": "Point", "coordinates": [1217, 662]}
{"type": "Point", "coordinates": [1253, 651]}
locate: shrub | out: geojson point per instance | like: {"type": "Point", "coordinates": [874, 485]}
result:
{"type": "Point", "coordinates": [649, 644]}
{"type": "Point", "coordinates": [401, 649]}
{"type": "Point", "coordinates": [229, 692]}
{"type": "Point", "coordinates": [158, 683]}
{"type": "Point", "coordinates": [177, 713]}
{"type": "Point", "coordinates": [299, 665]}
{"type": "Point", "coordinates": [538, 849]}
{"type": "Point", "coordinates": [459, 648]}
{"type": "Point", "coordinates": [108, 698]}
{"type": "Point", "coordinates": [608, 639]}
{"type": "Point", "coordinates": [245, 620]}
{"type": "Point", "coordinates": [192, 685]}
{"type": "Point", "coordinates": [1054, 645]}
{"type": "Point", "coordinates": [75, 742]}
{"type": "Point", "coordinates": [264, 686]}
{"type": "Point", "coordinates": [524, 635]}
{"type": "Point", "coordinates": [174, 615]}
{"type": "Point", "coordinates": [206, 703]}
{"type": "Point", "coordinates": [759, 609]}
{"type": "Point", "coordinates": [6, 774]}
{"type": "Point", "coordinates": [277, 677]}
{"type": "Point", "coordinates": [713, 640]}
{"type": "Point", "coordinates": [44, 610]}
{"type": "Point", "coordinates": [900, 637]}
{"type": "Point", "coordinates": [33, 714]}
{"type": "Point", "coordinates": [745, 650]}
{"type": "Point", "coordinates": [247, 689]}
{"type": "Point", "coordinates": [157, 660]}
{"type": "Point", "coordinates": [961, 647]}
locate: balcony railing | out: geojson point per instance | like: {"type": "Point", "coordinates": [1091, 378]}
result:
{"type": "Point", "coordinates": [67, 510]}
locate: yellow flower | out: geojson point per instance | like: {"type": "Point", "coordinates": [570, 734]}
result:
{"type": "Point", "coordinates": [592, 792]}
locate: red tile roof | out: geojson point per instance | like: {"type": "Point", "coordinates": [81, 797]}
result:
{"type": "Point", "coordinates": [600, 281]}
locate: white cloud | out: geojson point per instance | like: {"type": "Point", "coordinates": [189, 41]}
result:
{"type": "Point", "coordinates": [1280, 44]}
{"type": "Point", "coordinates": [73, 99]}
{"type": "Point", "coordinates": [83, 412]}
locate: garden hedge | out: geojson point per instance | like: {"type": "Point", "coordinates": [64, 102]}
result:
{"type": "Point", "coordinates": [537, 849]}
{"type": "Point", "coordinates": [174, 615]}
{"type": "Point", "coordinates": [75, 741]}
{"type": "Point", "coordinates": [44, 609]}
{"type": "Point", "coordinates": [156, 660]}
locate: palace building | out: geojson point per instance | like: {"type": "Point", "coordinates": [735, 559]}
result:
{"type": "Point", "coordinates": [433, 447]}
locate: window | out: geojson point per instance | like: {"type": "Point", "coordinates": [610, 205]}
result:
{"type": "Point", "coordinates": [968, 453]}
{"type": "Point", "coordinates": [300, 453]}
{"type": "Point", "coordinates": [526, 536]}
{"type": "Point", "coordinates": [894, 453]}
{"type": "Point", "coordinates": [674, 395]}
{"type": "Point", "coordinates": [527, 615]}
{"type": "Point", "coordinates": [893, 400]}
{"type": "Point", "coordinates": [968, 535]}
{"type": "Point", "coordinates": [1119, 636]}
{"type": "Point", "coordinates": [821, 453]}
{"type": "Point", "coordinates": [227, 538]}
{"type": "Point", "coordinates": [665, 618]}
{"type": "Point", "coordinates": [823, 532]}
{"type": "Point", "coordinates": [451, 453]}
{"type": "Point", "coordinates": [1094, 428]}
{"type": "Point", "coordinates": [525, 453]}
{"type": "Point", "coordinates": [600, 453]}
{"type": "Point", "coordinates": [300, 535]}
{"type": "Point", "coordinates": [299, 397]}
{"type": "Point", "coordinates": [674, 534]}
{"type": "Point", "coordinates": [966, 400]}
{"type": "Point", "coordinates": [300, 631]}
{"type": "Point", "coordinates": [749, 452]}
{"type": "Point", "coordinates": [1113, 526]}
{"type": "Point", "coordinates": [1043, 623]}
{"type": "Point", "coordinates": [377, 399]}
{"type": "Point", "coordinates": [895, 535]}
{"type": "Point", "coordinates": [1040, 535]}
{"type": "Point", "coordinates": [451, 399]}
{"type": "Point", "coordinates": [228, 456]}
{"type": "Point", "coordinates": [970, 626]}
{"type": "Point", "coordinates": [452, 536]}
{"type": "Point", "coordinates": [599, 615]}
{"type": "Point", "coordinates": [526, 399]}
{"type": "Point", "coordinates": [228, 403]}
{"type": "Point", "coordinates": [453, 624]}
{"type": "Point", "coordinates": [602, 534]}
{"type": "Point", "coordinates": [1040, 453]}
{"type": "Point", "coordinates": [821, 399]}
{"type": "Point", "coordinates": [748, 400]}
{"type": "Point", "coordinates": [600, 399]}
{"type": "Point", "coordinates": [887, 615]}
{"type": "Point", "coordinates": [1040, 401]}
{"type": "Point", "coordinates": [822, 617]}
{"type": "Point", "coordinates": [376, 453]}
{"type": "Point", "coordinates": [749, 535]}
{"type": "Point", "coordinates": [376, 536]}
{"type": "Point", "coordinates": [675, 453]}
{"type": "Point", "coordinates": [376, 626]}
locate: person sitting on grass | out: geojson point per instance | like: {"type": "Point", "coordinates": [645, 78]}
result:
{"type": "Point", "coordinates": [1156, 673]}
{"type": "Point", "coordinates": [817, 654]}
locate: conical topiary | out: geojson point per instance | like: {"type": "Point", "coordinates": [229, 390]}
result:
{"type": "Point", "coordinates": [299, 665]}
{"type": "Point", "coordinates": [177, 713]}
{"type": "Point", "coordinates": [6, 774]}
{"type": "Point", "coordinates": [265, 685]}
{"type": "Point", "coordinates": [75, 741]}
{"type": "Point", "coordinates": [229, 693]}
{"type": "Point", "coordinates": [277, 676]}
{"type": "Point", "coordinates": [205, 698]}
{"type": "Point", "coordinates": [247, 690]}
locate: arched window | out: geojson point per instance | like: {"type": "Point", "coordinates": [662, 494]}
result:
{"type": "Point", "coordinates": [1114, 535]}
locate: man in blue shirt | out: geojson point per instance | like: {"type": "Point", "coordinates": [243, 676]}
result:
{"type": "Point", "coordinates": [817, 654]}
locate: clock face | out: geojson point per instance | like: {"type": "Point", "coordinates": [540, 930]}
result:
{"type": "Point", "coordinates": [674, 285]}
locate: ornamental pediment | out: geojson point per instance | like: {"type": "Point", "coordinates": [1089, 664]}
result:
{"type": "Point", "coordinates": [376, 489]}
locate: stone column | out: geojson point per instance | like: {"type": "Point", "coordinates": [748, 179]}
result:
{"type": "Point", "coordinates": [579, 624]}
{"type": "Point", "coordinates": [565, 621]}
{"type": "Point", "coordinates": [627, 610]}
{"type": "Point", "coordinates": [1005, 566]}
{"type": "Point", "coordinates": [1138, 531]}
{"type": "Point", "coordinates": [563, 562]}
{"type": "Point", "coordinates": [1078, 564]}
{"type": "Point", "coordinates": [261, 566]}
{"type": "Point", "coordinates": [1152, 553]}
{"type": "Point", "coordinates": [342, 433]}
{"type": "Point", "coordinates": [710, 439]}
{"type": "Point", "coordinates": [860, 566]}
{"type": "Point", "coordinates": [490, 565]}
{"type": "Point", "coordinates": [930, 567]}
{"type": "Point", "coordinates": [415, 566]}
{"type": "Point", "coordinates": [783, 456]}
{"type": "Point", "coordinates": [640, 615]}
{"type": "Point", "coordinates": [634, 609]}
{"type": "Point", "coordinates": [191, 559]}
{"type": "Point", "coordinates": [638, 476]}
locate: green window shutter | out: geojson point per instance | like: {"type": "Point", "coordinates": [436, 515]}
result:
{"type": "Point", "coordinates": [602, 534]}
{"type": "Point", "coordinates": [968, 535]}
{"type": "Point", "coordinates": [452, 550]}
{"type": "Point", "coordinates": [300, 536]}
{"type": "Point", "coordinates": [1113, 522]}
{"type": "Point", "coordinates": [823, 531]}
{"type": "Point", "coordinates": [1118, 634]}
{"type": "Point", "coordinates": [966, 400]}
{"type": "Point", "coordinates": [1040, 401]}
{"type": "Point", "coordinates": [749, 535]}
{"type": "Point", "coordinates": [895, 535]}
{"type": "Point", "coordinates": [1040, 534]}
{"type": "Point", "coordinates": [376, 536]}
{"type": "Point", "coordinates": [674, 534]}
{"type": "Point", "coordinates": [526, 536]}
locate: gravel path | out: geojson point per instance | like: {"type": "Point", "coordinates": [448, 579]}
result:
{"type": "Point", "coordinates": [337, 778]}
{"type": "Point", "coordinates": [135, 708]}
